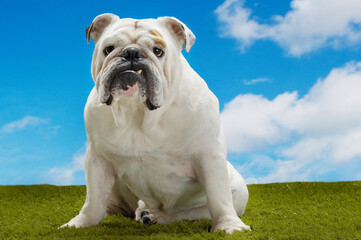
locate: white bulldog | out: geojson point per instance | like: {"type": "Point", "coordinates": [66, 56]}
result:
{"type": "Point", "coordinates": [156, 150]}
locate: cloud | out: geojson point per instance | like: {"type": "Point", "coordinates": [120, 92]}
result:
{"type": "Point", "coordinates": [277, 171]}
{"type": "Point", "coordinates": [307, 136]}
{"type": "Point", "coordinates": [308, 26]}
{"type": "Point", "coordinates": [256, 81]}
{"type": "Point", "coordinates": [66, 175]}
{"type": "Point", "coordinates": [251, 121]}
{"type": "Point", "coordinates": [27, 121]}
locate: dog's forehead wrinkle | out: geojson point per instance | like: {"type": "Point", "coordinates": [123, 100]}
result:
{"type": "Point", "coordinates": [125, 36]}
{"type": "Point", "coordinates": [127, 31]}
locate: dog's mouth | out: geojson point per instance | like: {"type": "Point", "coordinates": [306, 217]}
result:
{"type": "Point", "coordinates": [127, 83]}
{"type": "Point", "coordinates": [130, 83]}
{"type": "Point", "coordinates": [123, 80]}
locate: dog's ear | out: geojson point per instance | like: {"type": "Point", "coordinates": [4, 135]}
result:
{"type": "Point", "coordinates": [180, 31]}
{"type": "Point", "coordinates": [98, 25]}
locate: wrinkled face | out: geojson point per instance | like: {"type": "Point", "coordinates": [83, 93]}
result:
{"type": "Point", "coordinates": [135, 58]}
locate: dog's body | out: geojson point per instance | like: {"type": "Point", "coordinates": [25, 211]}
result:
{"type": "Point", "coordinates": [156, 151]}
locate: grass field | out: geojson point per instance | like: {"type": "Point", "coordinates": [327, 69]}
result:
{"type": "Point", "coordinates": [274, 211]}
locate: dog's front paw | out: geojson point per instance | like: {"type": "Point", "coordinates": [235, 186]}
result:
{"type": "Point", "coordinates": [229, 225]}
{"type": "Point", "coordinates": [147, 215]}
{"type": "Point", "coordinates": [147, 218]}
{"type": "Point", "coordinates": [81, 221]}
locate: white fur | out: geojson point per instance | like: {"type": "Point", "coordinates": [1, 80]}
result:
{"type": "Point", "coordinates": [171, 161]}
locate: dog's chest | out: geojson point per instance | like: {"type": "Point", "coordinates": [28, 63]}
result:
{"type": "Point", "coordinates": [162, 181]}
{"type": "Point", "coordinates": [124, 135]}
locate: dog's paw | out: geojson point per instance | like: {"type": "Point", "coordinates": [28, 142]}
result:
{"type": "Point", "coordinates": [147, 218]}
{"type": "Point", "coordinates": [146, 215]}
{"type": "Point", "coordinates": [230, 225]}
{"type": "Point", "coordinates": [80, 221]}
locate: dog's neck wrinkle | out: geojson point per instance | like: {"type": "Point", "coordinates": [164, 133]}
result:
{"type": "Point", "coordinates": [128, 113]}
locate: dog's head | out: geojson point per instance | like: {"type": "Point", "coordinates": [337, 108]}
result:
{"type": "Point", "coordinates": [137, 58]}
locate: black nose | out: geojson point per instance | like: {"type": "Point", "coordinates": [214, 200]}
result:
{"type": "Point", "coordinates": [132, 54]}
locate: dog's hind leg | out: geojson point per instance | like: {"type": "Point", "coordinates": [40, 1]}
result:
{"type": "Point", "coordinates": [239, 190]}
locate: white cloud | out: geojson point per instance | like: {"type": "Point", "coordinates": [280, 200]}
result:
{"type": "Point", "coordinates": [309, 136]}
{"type": "Point", "coordinates": [65, 175]}
{"type": "Point", "coordinates": [251, 121]}
{"type": "Point", "coordinates": [308, 26]}
{"type": "Point", "coordinates": [279, 171]}
{"type": "Point", "coordinates": [24, 123]}
{"type": "Point", "coordinates": [256, 81]}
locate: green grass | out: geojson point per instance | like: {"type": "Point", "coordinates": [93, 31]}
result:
{"type": "Point", "coordinates": [274, 211]}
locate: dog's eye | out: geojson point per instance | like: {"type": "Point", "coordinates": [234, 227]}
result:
{"type": "Point", "coordinates": [108, 50]}
{"type": "Point", "coordinates": [158, 52]}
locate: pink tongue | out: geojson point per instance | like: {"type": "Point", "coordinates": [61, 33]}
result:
{"type": "Point", "coordinates": [131, 90]}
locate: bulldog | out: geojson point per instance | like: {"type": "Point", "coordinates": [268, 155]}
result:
{"type": "Point", "coordinates": [156, 151]}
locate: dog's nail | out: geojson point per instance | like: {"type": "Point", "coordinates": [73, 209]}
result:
{"type": "Point", "coordinates": [146, 220]}
{"type": "Point", "coordinates": [143, 213]}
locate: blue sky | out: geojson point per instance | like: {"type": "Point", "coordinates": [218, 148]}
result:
{"type": "Point", "coordinates": [287, 74]}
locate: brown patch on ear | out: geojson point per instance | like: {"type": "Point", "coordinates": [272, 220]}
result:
{"type": "Point", "coordinates": [98, 25]}
{"type": "Point", "coordinates": [136, 24]}
{"type": "Point", "coordinates": [159, 40]}
{"type": "Point", "coordinates": [87, 32]}
{"type": "Point", "coordinates": [181, 33]}
{"type": "Point", "coordinates": [178, 30]}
